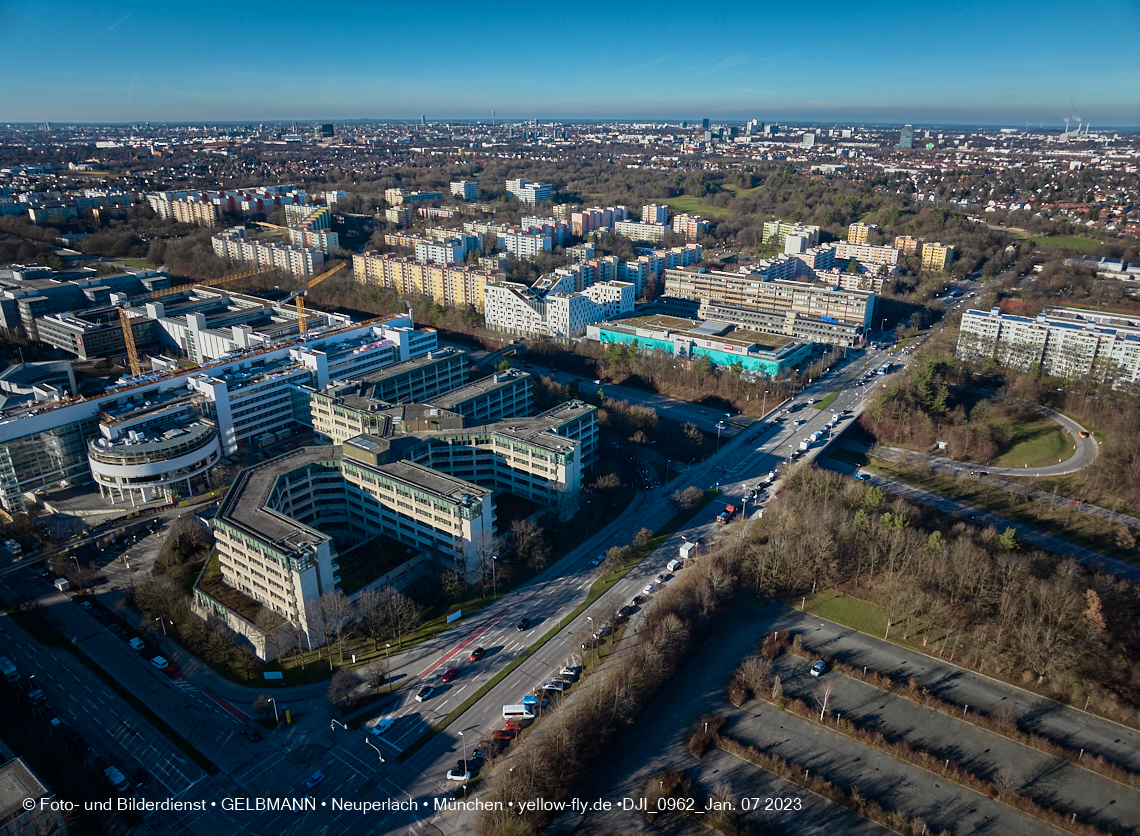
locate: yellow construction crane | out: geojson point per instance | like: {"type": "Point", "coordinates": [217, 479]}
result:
{"type": "Point", "coordinates": [299, 295]}
{"type": "Point", "coordinates": [167, 291]}
{"type": "Point", "coordinates": [129, 339]}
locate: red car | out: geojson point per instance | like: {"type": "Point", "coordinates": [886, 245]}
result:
{"type": "Point", "coordinates": [450, 674]}
{"type": "Point", "coordinates": [171, 671]}
{"type": "Point", "coordinates": [476, 654]}
{"type": "Point", "coordinates": [502, 734]}
{"type": "Point", "coordinates": [513, 725]}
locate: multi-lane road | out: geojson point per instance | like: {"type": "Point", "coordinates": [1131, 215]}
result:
{"type": "Point", "coordinates": [363, 768]}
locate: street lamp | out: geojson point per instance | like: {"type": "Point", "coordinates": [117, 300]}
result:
{"type": "Point", "coordinates": [276, 717]}
{"type": "Point", "coordinates": [334, 723]}
{"type": "Point", "coordinates": [764, 409]}
{"type": "Point", "coordinates": [387, 667]}
{"type": "Point", "coordinates": [162, 622]}
{"type": "Point", "coordinates": [464, 739]}
{"type": "Point", "coordinates": [494, 576]}
{"type": "Point", "coordinates": [667, 463]}
{"type": "Point", "coordinates": [373, 745]}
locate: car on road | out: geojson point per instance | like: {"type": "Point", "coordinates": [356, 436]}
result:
{"type": "Point", "coordinates": [862, 477]}
{"type": "Point", "coordinates": [649, 587]}
{"type": "Point", "coordinates": [250, 735]}
{"type": "Point", "coordinates": [598, 561]}
{"type": "Point", "coordinates": [597, 383]}
{"type": "Point", "coordinates": [818, 668]}
{"type": "Point", "coordinates": [460, 773]}
{"type": "Point", "coordinates": [799, 421]}
{"type": "Point", "coordinates": [1083, 434]}
{"type": "Point", "coordinates": [524, 624]}
{"type": "Point", "coordinates": [476, 654]}
{"type": "Point", "coordinates": [160, 663]}
{"type": "Point", "coordinates": [317, 777]}
{"type": "Point", "coordinates": [382, 725]}
{"type": "Point", "coordinates": [425, 693]}
{"type": "Point", "coordinates": [450, 675]}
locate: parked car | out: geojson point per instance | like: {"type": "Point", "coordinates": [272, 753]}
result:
{"type": "Point", "coordinates": [250, 735]}
{"type": "Point", "coordinates": [450, 675]}
{"type": "Point", "coordinates": [316, 778]}
{"type": "Point", "coordinates": [513, 725]}
{"type": "Point", "coordinates": [160, 663]}
{"type": "Point", "coordinates": [637, 601]}
{"type": "Point", "coordinates": [502, 734]}
{"type": "Point", "coordinates": [818, 668]}
{"type": "Point", "coordinates": [460, 773]}
{"type": "Point", "coordinates": [649, 587]}
{"type": "Point", "coordinates": [425, 693]}
{"type": "Point", "coordinates": [659, 579]}
{"type": "Point", "coordinates": [476, 654]}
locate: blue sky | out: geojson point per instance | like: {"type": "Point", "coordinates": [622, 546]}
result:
{"type": "Point", "coordinates": [929, 62]}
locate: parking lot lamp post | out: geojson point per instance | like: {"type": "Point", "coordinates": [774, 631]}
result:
{"type": "Point", "coordinates": [162, 621]}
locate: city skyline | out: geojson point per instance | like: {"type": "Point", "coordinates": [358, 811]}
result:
{"type": "Point", "coordinates": [833, 63]}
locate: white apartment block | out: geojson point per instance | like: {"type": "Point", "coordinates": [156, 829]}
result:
{"type": "Point", "coordinates": [1069, 343]}
{"type": "Point", "coordinates": [451, 251]}
{"type": "Point", "coordinates": [866, 253]}
{"type": "Point", "coordinates": [638, 231]}
{"type": "Point", "coordinates": [554, 311]}
{"type": "Point", "coordinates": [655, 213]}
{"type": "Point", "coordinates": [529, 192]}
{"type": "Point", "coordinates": [465, 189]}
{"type": "Point", "coordinates": [525, 243]}
{"type": "Point", "coordinates": [235, 245]}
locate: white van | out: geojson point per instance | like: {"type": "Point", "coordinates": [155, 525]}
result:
{"type": "Point", "coordinates": [137, 643]}
{"type": "Point", "coordinates": [517, 712]}
{"type": "Point", "coordinates": [674, 564]}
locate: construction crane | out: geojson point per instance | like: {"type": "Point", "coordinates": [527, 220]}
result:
{"type": "Point", "coordinates": [167, 291]}
{"type": "Point", "coordinates": [129, 340]}
{"type": "Point", "coordinates": [299, 295]}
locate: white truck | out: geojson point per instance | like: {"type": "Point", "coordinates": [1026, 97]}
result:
{"type": "Point", "coordinates": [805, 444]}
{"type": "Point", "coordinates": [689, 549]}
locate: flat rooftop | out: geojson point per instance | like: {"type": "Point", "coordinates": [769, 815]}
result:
{"type": "Point", "coordinates": [702, 329]}
{"type": "Point", "coordinates": [480, 387]}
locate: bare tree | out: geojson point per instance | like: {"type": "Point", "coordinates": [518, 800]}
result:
{"type": "Point", "coordinates": [824, 700]}
{"type": "Point", "coordinates": [343, 683]}
{"type": "Point", "coordinates": [370, 611]}
{"type": "Point", "coordinates": [336, 615]}
{"type": "Point", "coordinates": [402, 612]}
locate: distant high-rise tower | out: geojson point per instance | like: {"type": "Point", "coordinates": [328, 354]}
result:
{"type": "Point", "coordinates": [327, 129]}
{"type": "Point", "coordinates": [705, 124]}
{"type": "Point", "coordinates": [492, 118]}
{"type": "Point", "coordinates": [423, 119]}
{"type": "Point", "coordinates": [906, 137]}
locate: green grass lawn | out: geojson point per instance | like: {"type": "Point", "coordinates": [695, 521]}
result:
{"type": "Point", "coordinates": [141, 263]}
{"type": "Point", "coordinates": [1071, 242]}
{"type": "Point", "coordinates": [870, 619]}
{"type": "Point", "coordinates": [742, 192]}
{"type": "Point", "coordinates": [1036, 444]}
{"type": "Point", "coordinates": [827, 401]}
{"type": "Point", "coordinates": [695, 205]}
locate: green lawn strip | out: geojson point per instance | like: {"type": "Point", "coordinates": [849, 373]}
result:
{"type": "Point", "coordinates": [689, 203]}
{"type": "Point", "coordinates": [827, 401]}
{"type": "Point", "coordinates": [1081, 529]}
{"type": "Point", "coordinates": [597, 589]}
{"type": "Point", "coordinates": [1073, 242]}
{"type": "Point", "coordinates": [870, 619]}
{"type": "Point", "coordinates": [1036, 444]}
{"type": "Point", "coordinates": [47, 633]}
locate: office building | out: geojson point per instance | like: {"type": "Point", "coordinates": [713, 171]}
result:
{"type": "Point", "coordinates": [859, 233]}
{"type": "Point", "coordinates": [465, 189]}
{"type": "Point", "coordinates": [248, 397]}
{"type": "Point", "coordinates": [1070, 343]}
{"type": "Point", "coordinates": [235, 245]}
{"type": "Point", "coordinates": [906, 137]}
{"type": "Point", "coordinates": [777, 232]}
{"type": "Point", "coordinates": [755, 301]}
{"type": "Point", "coordinates": [936, 256]}
{"type": "Point", "coordinates": [722, 343]}
{"type": "Point", "coordinates": [288, 525]}
{"type": "Point", "coordinates": [655, 213]}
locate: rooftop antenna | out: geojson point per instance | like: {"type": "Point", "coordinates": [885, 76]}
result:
{"type": "Point", "coordinates": [492, 118]}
